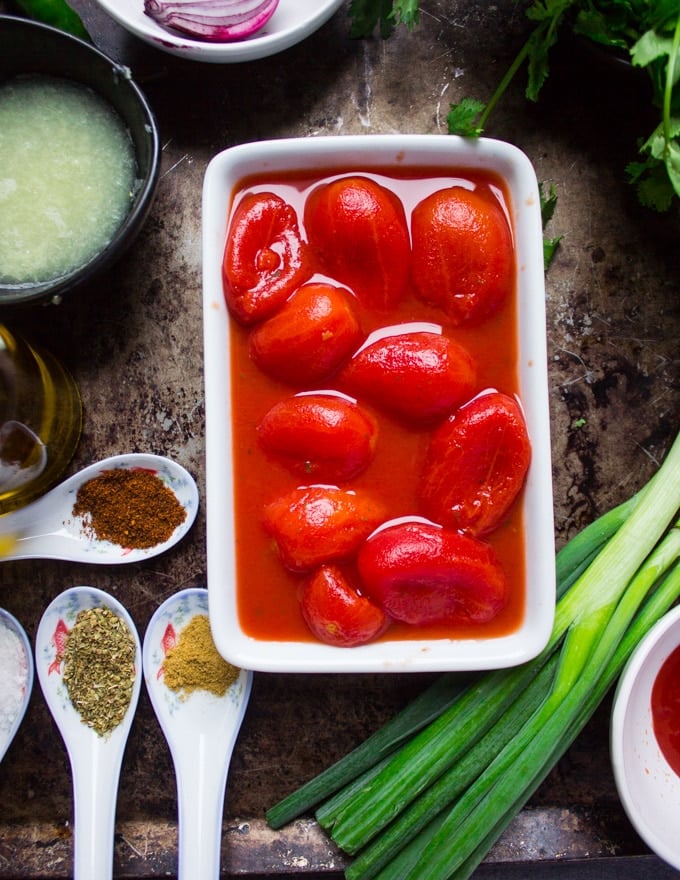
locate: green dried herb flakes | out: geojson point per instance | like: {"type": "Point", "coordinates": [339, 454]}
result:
{"type": "Point", "coordinates": [99, 668]}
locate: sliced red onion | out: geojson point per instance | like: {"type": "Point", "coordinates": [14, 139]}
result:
{"type": "Point", "coordinates": [212, 20]}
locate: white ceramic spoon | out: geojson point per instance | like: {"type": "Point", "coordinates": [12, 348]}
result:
{"type": "Point", "coordinates": [47, 528]}
{"type": "Point", "coordinates": [201, 730]}
{"type": "Point", "coordinates": [95, 760]}
{"type": "Point", "coordinates": [6, 736]}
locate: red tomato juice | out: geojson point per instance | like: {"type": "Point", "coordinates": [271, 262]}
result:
{"type": "Point", "coordinates": [267, 593]}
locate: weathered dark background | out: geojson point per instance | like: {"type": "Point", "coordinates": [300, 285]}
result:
{"type": "Point", "coordinates": [133, 342]}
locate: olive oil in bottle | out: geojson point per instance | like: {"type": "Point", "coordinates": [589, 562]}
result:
{"type": "Point", "coordinates": [40, 420]}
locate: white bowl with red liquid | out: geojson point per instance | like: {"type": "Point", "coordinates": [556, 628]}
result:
{"type": "Point", "coordinates": [425, 156]}
{"type": "Point", "coordinates": [648, 785]}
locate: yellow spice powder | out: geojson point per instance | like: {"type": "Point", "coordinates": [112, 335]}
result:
{"type": "Point", "coordinates": [194, 663]}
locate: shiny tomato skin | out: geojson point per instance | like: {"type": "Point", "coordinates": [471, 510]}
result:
{"type": "Point", "coordinates": [320, 437]}
{"type": "Point", "coordinates": [336, 613]}
{"type": "Point", "coordinates": [309, 337]}
{"type": "Point", "coordinates": [313, 525]}
{"type": "Point", "coordinates": [265, 257]}
{"type": "Point", "coordinates": [418, 376]}
{"type": "Point", "coordinates": [422, 574]}
{"type": "Point", "coordinates": [358, 233]}
{"type": "Point", "coordinates": [476, 464]}
{"type": "Point", "coordinates": [463, 256]}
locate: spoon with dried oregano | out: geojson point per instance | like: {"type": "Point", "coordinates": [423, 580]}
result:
{"type": "Point", "coordinates": [89, 665]}
{"type": "Point", "coordinates": [200, 700]}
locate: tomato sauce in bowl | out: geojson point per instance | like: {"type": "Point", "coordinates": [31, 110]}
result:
{"type": "Point", "coordinates": [666, 709]}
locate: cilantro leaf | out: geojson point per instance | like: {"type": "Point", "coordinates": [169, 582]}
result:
{"type": "Point", "coordinates": [649, 47]}
{"type": "Point", "coordinates": [548, 202]}
{"type": "Point", "coordinates": [550, 246]}
{"type": "Point", "coordinates": [600, 28]}
{"type": "Point", "coordinates": [463, 118]}
{"type": "Point", "coordinates": [406, 12]}
{"type": "Point", "coordinates": [548, 199]}
{"type": "Point", "coordinates": [652, 184]}
{"type": "Point", "coordinates": [367, 14]}
{"type": "Point", "coordinates": [660, 15]}
{"type": "Point", "coordinates": [550, 15]}
{"type": "Point", "coordinates": [673, 164]}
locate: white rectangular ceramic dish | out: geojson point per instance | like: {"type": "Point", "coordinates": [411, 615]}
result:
{"type": "Point", "coordinates": [222, 178]}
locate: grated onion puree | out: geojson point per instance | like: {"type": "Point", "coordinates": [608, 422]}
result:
{"type": "Point", "coordinates": [67, 177]}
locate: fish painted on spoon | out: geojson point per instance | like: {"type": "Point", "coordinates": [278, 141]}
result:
{"type": "Point", "coordinates": [95, 759]}
{"type": "Point", "coordinates": [201, 729]}
{"type": "Point", "coordinates": [48, 529]}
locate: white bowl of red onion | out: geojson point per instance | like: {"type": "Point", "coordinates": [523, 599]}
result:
{"type": "Point", "coordinates": [221, 31]}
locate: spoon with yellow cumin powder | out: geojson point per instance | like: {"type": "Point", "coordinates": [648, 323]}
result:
{"type": "Point", "coordinates": [200, 700]}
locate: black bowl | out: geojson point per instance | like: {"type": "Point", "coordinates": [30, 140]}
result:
{"type": "Point", "coordinates": [27, 47]}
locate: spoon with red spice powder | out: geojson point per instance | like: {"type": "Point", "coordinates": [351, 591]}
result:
{"type": "Point", "coordinates": [123, 509]}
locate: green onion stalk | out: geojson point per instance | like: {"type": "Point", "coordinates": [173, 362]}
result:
{"type": "Point", "coordinates": [428, 795]}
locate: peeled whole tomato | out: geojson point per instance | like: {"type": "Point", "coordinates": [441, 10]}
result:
{"type": "Point", "coordinates": [358, 234]}
{"type": "Point", "coordinates": [320, 437]}
{"type": "Point", "coordinates": [265, 258]}
{"type": "Point", "coordinates": [463, 253]}
{"type": "Point", "coordinates": [422, 574]}
{"type": "Point", "coordinates": [476, 464]}
{"type": "Point", "coordinates": [419, 376]}
{"type": "Point", "coordinates": [314, 525]}
{"type": "Point", "coordinates": [309, 337]}
{"type": "Point", "coordinates": [336, 613]}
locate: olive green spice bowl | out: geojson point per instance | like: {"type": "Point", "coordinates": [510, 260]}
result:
{"type": "Point", "coordinates": [28, 47]}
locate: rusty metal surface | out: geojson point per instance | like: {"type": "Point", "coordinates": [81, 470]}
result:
{"type": "Point", "coordinates": [133, 342]}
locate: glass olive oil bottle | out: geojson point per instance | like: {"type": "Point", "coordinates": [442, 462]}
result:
{"type": "Point", "coordinates": [40, 420]}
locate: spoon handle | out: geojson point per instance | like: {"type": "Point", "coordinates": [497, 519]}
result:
{"type": "Point", "coordinates": [200, 795]}
{"type": "Point", "coordinates": [95, 788]}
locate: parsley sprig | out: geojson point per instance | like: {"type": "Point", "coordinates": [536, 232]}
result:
{"type": "Point", "coordinates": [647, 32]}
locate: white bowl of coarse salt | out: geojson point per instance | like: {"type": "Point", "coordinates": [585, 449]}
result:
{"type": "Point", "coordinates": [16, 682]}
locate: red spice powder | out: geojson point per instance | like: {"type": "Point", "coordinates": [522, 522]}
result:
{"type": "Point", "coordinates": [133, 508]}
